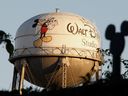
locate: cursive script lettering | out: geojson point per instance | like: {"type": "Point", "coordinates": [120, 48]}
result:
{"type": "Point", "coordinates": [89, 44]}
{"type": "Point", "coordinates": [86, 31]}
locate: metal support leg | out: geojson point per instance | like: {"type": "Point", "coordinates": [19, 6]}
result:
{"type": "Point", "coordinates": [21, 79]}
{"type": "Point", "coordinates": [98, 76]}
{"type": "Point", "coordinates": [15, 72]}
{"type": "Point", "coordinates": [96, 69]}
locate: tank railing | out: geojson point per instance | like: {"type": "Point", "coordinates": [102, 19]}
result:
{"type": "Point", "coordinates": [58, 51]}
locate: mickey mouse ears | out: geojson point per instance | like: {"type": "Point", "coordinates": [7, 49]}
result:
{"type": "Point", "coordinates": [124, 28]}
{"type": "Point", "coordinates": [110, 31]}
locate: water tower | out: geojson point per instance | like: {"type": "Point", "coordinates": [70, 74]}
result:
{"type": "Point", "coordinates": [56, 50]}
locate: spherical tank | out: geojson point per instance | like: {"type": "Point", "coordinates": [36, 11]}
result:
{"type": "Point", "coordinates": [59, 49]}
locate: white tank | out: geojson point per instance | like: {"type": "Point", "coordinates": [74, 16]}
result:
{"type": "Point", "coordinates": [47, 41]}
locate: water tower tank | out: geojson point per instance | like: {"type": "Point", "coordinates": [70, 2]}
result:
{"type": "Point", "coordinates": [60, 49]}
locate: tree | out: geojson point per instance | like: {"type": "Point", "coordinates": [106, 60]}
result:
{"type": "Point", "coordinates": [5, 38]}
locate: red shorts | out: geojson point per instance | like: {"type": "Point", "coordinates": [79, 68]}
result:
{"type": "Point", "coordinates": [44, 29]}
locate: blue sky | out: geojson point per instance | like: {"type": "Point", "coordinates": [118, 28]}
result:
{"type": "Point", "coordinates": [100, 12]}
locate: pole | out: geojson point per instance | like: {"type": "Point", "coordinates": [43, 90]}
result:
{"type": "Point", "coordinates": [22, 75]}
{"type": "Point", "coordinates": [14, 78]}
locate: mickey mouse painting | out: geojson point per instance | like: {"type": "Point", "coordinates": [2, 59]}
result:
{"type": "Point", "coordinates": [43, 28]}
